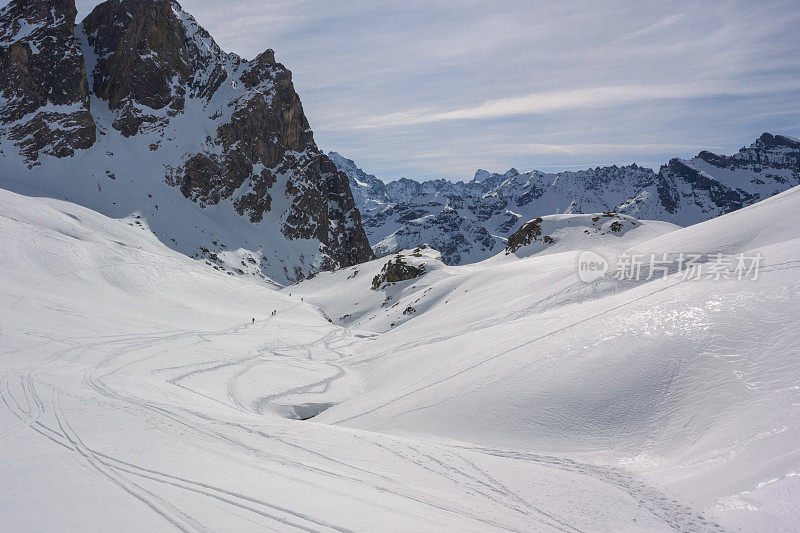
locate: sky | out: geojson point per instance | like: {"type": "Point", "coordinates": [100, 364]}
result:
{"type": "Point", "coordinates": [440, 88]}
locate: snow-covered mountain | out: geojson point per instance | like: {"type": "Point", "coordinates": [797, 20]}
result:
{"type": "Point", "coordinates": [136, 112]}
{"type": "Point", "coordinates": [370, 193]}
{"type": "Point", "coordinates": [470, 221]}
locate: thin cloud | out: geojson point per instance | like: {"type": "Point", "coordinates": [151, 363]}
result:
{"type": "Point", "coordinates": [653, 28]}
{"type": "Point", "coordinates": [599, 148]}
{"type": "Point", "coordinates": [555, 101]}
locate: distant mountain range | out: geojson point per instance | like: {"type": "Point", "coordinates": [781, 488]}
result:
{"type": "Point", "coordinates": [470, 221]}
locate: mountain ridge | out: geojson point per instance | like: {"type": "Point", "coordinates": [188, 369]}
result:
{"type": "Point", "coordinates": [471, 220]}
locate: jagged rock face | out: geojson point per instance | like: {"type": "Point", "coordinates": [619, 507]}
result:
{"type": "Point", "coordinates": [225, 132]}
{"type": "Point", "coordinates": [41, 66]}
{"type": "Point", "coordinates": [702, 184]}
{"type": "Point", "coordinates": [338, 216]}
{"type": "Point", "coordinates": [146, 55]}
{"type": "Point", "coordinates": [470, 221]}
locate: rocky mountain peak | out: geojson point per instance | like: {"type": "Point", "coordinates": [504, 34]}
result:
{"type": "Point", "coordinates": [481, 175]}
{"type": "Point", "coordinates": [769, 141]}
{"type": "Point", "coordinates": [150, 54]}
{"type": "Point", "coordinates": [144, 79]}
{"type": "Point", "coordinates": [767, 152]}
{"type": "Point", "coordinates": [369, 192]}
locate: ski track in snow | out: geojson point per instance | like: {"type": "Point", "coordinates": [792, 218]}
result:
{"type": "Point", "coordinates": [444, 462]}
{"type": "Point", "coordinates": [114, 469]}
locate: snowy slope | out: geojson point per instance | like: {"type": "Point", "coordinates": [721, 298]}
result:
{"type": "Point", "coordinates": [349, 298]}
{"type": "Point", "coordinates": [470, 221]}
{"type": "Point", "coordinates": [136, 395]}
{"type": "Point", "coordinates": [564, 233]}
{"type": "Point", "coordinates": [689, 384]}
{"type": "Point", "coordinates": [502, 395]}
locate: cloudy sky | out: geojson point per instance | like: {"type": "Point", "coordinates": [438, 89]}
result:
{"type": "Point", "coordinates": [439, 88]}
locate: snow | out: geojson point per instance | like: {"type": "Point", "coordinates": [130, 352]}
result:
{"type": "Point", "coordinates": [136, 394]}
{"type": "Point", "coordinates": [691, 385]}
{"type": "Point", "coordinates": [24, 30]}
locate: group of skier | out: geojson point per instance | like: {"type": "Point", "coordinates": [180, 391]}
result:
{"type": "Point", "coordinates": [274, 313]}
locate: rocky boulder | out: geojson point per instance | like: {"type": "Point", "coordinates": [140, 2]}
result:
{"type": "Point", "coordinates": [396, 271]}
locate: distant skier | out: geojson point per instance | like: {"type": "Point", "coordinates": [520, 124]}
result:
{"type": "Point", "coordinates": [254, 321]}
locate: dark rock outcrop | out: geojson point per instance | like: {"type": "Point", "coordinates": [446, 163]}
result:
{"type": "Point", "coordinates": [528, 233]}
{"type": "Point", "coordinates": [43, 88]}
{"type": "Point", "coordinates": [396, 271]}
